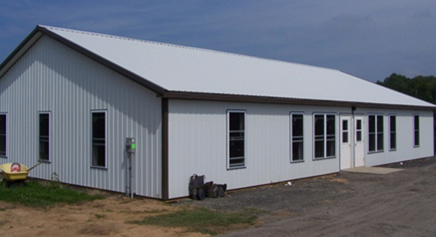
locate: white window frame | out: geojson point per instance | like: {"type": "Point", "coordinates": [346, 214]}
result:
{"type": "Point", "coordinates": [244, 158]}
{"type": "Point", "coordinates": [376, 133]}
{"type": "Point", "coordinates": [291, 138]}
{"type": "Point", "coordinates": [48, 138]}
{"type": "Point", "coordinates": [5, 155]}
{"type": "Point", "coordinates": [325, 137]}
{"type": "Point", "coordinates": [416, 130]}
{"type": "Point", "coordinates": [105, 139]}
{"type": "Point", "coordinates": [392, 132]}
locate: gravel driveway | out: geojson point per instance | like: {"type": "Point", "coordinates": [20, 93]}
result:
{"type": "Point", "coordinates": [345, 204]}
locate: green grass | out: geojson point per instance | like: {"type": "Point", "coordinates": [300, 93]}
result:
{"type": "Point", "coordinates": [37, 195]}
{"type": "Point", "coordinates": [201, 220]}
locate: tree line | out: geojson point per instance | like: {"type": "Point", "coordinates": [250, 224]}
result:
{"type": "Point", "coordinates": [421, 87]}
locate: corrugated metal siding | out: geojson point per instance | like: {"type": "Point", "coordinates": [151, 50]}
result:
{"type": "Point", "coordinates": [51, 77]}
{"type": "Point", "coordinates": [197, 141]}
{"type": "Point", "coordinates": [405, 149]}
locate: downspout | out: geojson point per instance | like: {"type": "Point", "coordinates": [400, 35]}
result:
{"type": "Point", "coordinates": [353, 138]}
{"type": "Point", "coordinates": [131, 177]}
{"type": "Point", "coordinates": [165, 175]}
{"type": "Point", "coordinates": [434, 140]}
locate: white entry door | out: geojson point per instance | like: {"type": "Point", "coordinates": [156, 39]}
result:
{"type": "Point", "coordinates": [345, 141]}
{"type": "Point", "coordinates": [359, 148]}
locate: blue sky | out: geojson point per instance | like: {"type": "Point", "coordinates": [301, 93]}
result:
{"type": "Point", "coordinates": [369, 39]}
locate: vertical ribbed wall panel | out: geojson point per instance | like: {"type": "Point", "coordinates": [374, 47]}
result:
{"type": "Point", "coordinates": [198, 143]}
{"type": "Point", "coordinates": [53, 78]}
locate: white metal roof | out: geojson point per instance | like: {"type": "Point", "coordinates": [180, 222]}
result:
{"type": "Point", "coordinates": [186, 69]}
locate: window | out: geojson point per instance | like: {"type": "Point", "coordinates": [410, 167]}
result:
{"type": "Point", "coordinates": [358, 130]}
{"type": "Point", "coordinates": [2, 134]}
{"type": "Point", "coordinates": [297, 137]}
{"type": "Point", "coordinates": [44, 136]}
{"type": "Point", "coordinates": [99, 139]}
{"type": "Point", "coordinates": [344, 131]}
{"type": "Point", "coordinates": [236, 139]}
{"type": "Point", "coordinates": [416, 130]}
{"type": "Point", "coordinates": [325, 136]}
{"type": "Point", "coordinates": [392, 132]}
{"type": "Point", "coordinates": [375, 133]}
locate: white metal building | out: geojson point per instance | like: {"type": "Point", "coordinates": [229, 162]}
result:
{"type": "Point", "coordinates": [71, 98]}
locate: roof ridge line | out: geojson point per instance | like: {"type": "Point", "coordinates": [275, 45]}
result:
{"type": "Point", "coordinates": [181, 46]}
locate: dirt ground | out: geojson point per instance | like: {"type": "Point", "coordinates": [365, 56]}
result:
{"type": "Point", "coordinates": [106, 217]}
{"type": "Point", "coordinates": [353, 204]}
{"type": "Point", "coordinates": [346, 204]}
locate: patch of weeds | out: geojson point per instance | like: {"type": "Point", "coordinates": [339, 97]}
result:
{"type": "Point", "coordinates": [153, 211]}
{"type": "Point", "coordinates": [2, 209]}
{"type": "Point", "coordinates": [156, 211]}
{"type": "Point", "coordinates": [201, 220]}
{"type": "Point", "coordinates": [36, 194]}
{"type": "Point", "coordinates": [99, 216]}
{"type": "Point", "coordinates": [55, 177]}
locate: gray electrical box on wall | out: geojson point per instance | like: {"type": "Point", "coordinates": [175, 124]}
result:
{"type": "Point", "coordinates": [130, 144]}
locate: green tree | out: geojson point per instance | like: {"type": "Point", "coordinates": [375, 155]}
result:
{"type": "Point", "coordinates": [421, 87]}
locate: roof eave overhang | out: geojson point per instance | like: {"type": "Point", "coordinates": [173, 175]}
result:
{"type": "Point", "coordinates": [39, 31]}
{"type": "Point", "coordinates": [281, 100]}
{"type": "Point", "coordinates": [21, 49]}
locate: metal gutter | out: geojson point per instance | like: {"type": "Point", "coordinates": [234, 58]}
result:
{"type": "Point", "coordinates": [165, 150]}
{"type": "Point", "coordinates": [281, 100]}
